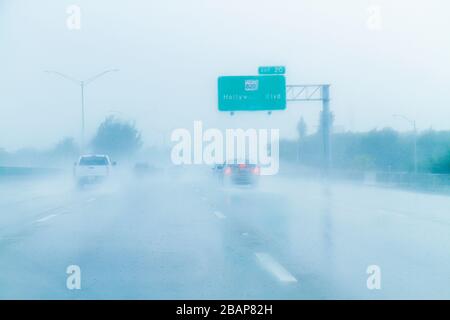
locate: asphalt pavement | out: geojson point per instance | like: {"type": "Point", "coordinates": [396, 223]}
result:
{"type": "Point", "coordinates": [182, 235]}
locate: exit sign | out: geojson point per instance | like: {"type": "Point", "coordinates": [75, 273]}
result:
{"type": "Point", "coordinates": [252, 93]}
{"type": "Point", "coordinates": [272, 70]}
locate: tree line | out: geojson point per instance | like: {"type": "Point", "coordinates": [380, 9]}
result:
{"type": "Point", "coordinates": [378, 150]}
{"type": "Point", "coordinates": [118, 138]}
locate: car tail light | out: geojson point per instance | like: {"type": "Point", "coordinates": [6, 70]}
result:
{"type": "Point", "coordinates": [242, 166]}
{"type": "Point", "coordinates": [227, 171]}
{"type": "Point", "coordinates": [256, 170]}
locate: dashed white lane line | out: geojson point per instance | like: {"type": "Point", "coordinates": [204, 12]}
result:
{"type": "Point", "coordinates": [275, 268]}
{"type": "Point", "coordinates": [46, 218]}
{"type": "Point", "coordinates": [391, 212]}
{"type": "Point", "coordinates": [90, 200]}
{"type": "Point", "coordinates": [219, 215]}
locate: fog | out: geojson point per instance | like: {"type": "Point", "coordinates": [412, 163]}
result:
{"type": "Point", "coordinates": [181, 234]}
{"type": "Point", "coordinates": [166, 197]}
{"type": "Point", "coordinates": [170, 54]}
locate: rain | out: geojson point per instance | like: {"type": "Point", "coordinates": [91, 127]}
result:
{"type": "Point", "coordinates": [224, 150]}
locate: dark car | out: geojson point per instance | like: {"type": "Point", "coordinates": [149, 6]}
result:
{"type": "Point", "coordinates": [244, 173]}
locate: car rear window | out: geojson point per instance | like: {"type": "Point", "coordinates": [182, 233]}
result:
{"type": "Point", "coordinates": [93, 161]}
{"type": "Point", "coordinates": [242, 165]}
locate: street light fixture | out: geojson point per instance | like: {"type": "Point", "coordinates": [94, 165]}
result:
{"type": "Point", "coordinates": [413, 124]}
{"type": "Point", "coordinates": [82, 84]}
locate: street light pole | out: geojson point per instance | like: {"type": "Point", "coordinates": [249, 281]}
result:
{"type": "Point", "coordinates": [415, 146]}
{"type": "Point", "coordinates": [82, 115]}
{"type": "Point", "coordinates": [413, 123]}
{"type": "Point", "coordinates": [82, 84]}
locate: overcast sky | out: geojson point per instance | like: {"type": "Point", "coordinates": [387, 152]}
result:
{"type": "Point", "coordinates": [170, 54]}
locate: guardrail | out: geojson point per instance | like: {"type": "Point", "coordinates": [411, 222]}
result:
{"type": "Point", "coordinates": [26, 171]}
{"type": "Point", "coordinates": [428, 181]}
{"type": "Point", "coordinates": [418, 181]}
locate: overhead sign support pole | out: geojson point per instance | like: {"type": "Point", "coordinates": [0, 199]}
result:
{"type": "Point", "coordinates": [316, 92]}
{"type": "Point", "coordinates": [268, 92]}
{"type": "Point", "coordinates": [326, 126]}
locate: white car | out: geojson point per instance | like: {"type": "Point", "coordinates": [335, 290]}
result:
{"type": "Point", "coordinates": [92, 169]}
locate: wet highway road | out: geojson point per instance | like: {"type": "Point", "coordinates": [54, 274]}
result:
{"type": "Point", "coordinates": [186, 237]}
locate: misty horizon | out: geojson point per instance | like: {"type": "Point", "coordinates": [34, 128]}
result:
{"type": "Point", "coordinates": [170, 57]}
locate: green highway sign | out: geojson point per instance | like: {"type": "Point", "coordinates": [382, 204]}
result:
{"type": "Point", "coordinates": [272, 70]}
{"type": "Point", "coordinates": [252, 93]}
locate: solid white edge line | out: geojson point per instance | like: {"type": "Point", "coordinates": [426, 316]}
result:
{"type": "Point", "coordinates": [219, 215]}
{"type": "Point", "coordinates": [272, 266]}
{"type": "Point", "coordinates": [46, 218]}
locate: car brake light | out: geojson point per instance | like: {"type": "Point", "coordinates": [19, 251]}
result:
{"type": "Point", "coordinates": [227, 170]}
{"type": "Point", "coordinates": [241, 166]}
{"type": "Point", "coordinates": [256, 170]}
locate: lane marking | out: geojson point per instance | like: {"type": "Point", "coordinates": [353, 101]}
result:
{"type": "Point", "coordinates": [391, 212]}
{"type": "Point", "coordinates": [90, 200]}
{"type": "Point", "coordinates": [46, 218]}
{"type": "Point", "coordinates": [272, 266]}
{"type": "Point", "coordinates": [219, 215]}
